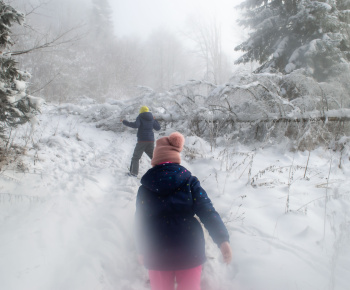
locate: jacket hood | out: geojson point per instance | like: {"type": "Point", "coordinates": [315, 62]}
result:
{"type": "Point", "coordinates": [146, 116]}
{"type": "Point", "coordinates": [165, 178]}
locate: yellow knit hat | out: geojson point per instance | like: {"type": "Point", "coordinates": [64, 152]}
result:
{"type": "Point", "coordinates": [144, 109]}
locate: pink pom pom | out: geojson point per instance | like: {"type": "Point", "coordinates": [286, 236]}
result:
{"type": "Point", "coordinates": [177, 139]}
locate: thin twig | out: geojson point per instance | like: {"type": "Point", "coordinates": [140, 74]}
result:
{"type": "Point", "coordinates": [307, 163]}
{"type": "Point", "coordinates": [326, 198]}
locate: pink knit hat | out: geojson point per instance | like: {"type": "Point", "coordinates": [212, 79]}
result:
{"type": "Point", "coordinates": [168, 149]}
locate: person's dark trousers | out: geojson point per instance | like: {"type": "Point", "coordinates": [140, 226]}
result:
{"type": "Point", "coordinates": [140, 147]}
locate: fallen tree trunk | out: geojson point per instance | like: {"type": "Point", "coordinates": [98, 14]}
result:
{"type": "Point", "coordinates": [342, 115]}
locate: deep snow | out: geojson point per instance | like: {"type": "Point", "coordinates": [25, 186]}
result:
{"type": "Point", "coordinates": [66, 212]}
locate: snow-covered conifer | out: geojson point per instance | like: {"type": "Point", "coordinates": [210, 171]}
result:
{"type": "Point", "coordinates": [16, 107]}
{"type": "Point", "coordinates": [101, 20]}
{"type": "Point", "coordinates": [292, 34]}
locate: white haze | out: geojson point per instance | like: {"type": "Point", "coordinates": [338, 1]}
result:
{"type": "Point", "coordinates": [67, 205]}
{"type": "Point", "coordinates": [148, 43]}
{"type": "Point", "coordinates": [140, 18]}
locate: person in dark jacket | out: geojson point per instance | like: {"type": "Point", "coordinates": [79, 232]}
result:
{"type": "Point", "coordinates": [145, 123]}
{"type": "Point", "coordinates": [169, 238]}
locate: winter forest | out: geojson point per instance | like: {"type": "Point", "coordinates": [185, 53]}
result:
{"type": "Point", "coordinates": [266, 122]}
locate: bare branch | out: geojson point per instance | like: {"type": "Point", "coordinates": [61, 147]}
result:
{"type": "Point", "coordinates": [56, 41]}
{"type": "Point", "coordinates": [33, 8]}
{"type": "Point", "coordinates": [45, 85]}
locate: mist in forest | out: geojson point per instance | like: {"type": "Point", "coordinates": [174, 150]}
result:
{"type": "Point", "coordinates": [103, 49]}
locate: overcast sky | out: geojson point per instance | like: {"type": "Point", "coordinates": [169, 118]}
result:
{"type": "Point", "coordinates": [140, 17]}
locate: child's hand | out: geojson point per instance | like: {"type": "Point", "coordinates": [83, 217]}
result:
{"type": "Point", "coordinates": [226, 252]}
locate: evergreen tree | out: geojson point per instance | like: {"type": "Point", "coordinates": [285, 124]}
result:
{"type": "Point", "coordinates": [101, 20]}
{"type": "Point", "coordinates": [292, 34]}
{"type": "Point", "coordinates": [16, 107]}
{"type": "Point", "coordinates": [100, 47]}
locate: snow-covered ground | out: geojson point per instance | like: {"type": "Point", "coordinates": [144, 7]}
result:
{"type": "Point", "coordinates": [66, 212]}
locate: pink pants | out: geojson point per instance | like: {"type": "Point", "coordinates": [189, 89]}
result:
{"type": "Point", "coordinates": [189, 279]}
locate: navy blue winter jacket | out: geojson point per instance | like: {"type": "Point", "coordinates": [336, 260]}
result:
{"type": "Point", "coordinates": [168, 234]}
{"type": "Point", "coordinates": [145, 124]}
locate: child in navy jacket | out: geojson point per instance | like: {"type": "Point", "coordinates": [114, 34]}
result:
{"type": "Point", "coordinates": [145, 123]}
{"type": "Point", "coordinates": [170, 239]}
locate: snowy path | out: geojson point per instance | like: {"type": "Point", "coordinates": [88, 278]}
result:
{"type": "Point", "coordinates": [76, 232]}
{"type": "Point", "coordinates": [67, 222]}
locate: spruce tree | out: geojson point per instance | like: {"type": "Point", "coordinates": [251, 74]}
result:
{"type": "Point", "coordinates": [101, 20]}
{"type": "Point", "coordinates": [290, 34]}
{"type": "Point", "coordinates": [100, 52]}
{"type": "Point", "coordinates": [16, 107]}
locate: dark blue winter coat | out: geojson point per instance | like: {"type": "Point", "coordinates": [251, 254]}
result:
{"type": "Point", "coordinates": [145, 124]}
{"type": "Point", "coordinates": [168, 234]}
